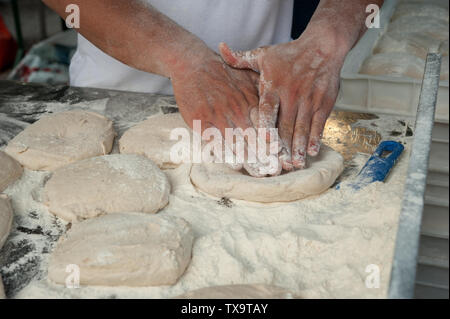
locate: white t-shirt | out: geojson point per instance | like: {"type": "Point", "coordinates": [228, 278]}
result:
{"type": "Point", "coordinates": [243, 24]}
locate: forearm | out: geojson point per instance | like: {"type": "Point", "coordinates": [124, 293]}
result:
{"type": "Point", "coordinates": [340, 23]}
{"type": "Point", "coordinates": [135, 34]}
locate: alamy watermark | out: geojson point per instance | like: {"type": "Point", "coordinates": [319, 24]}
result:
{"type": "Point", "coordinates": [373, 278]}
{"type": "Point", "coordinates": [373, 19]}
{"type": "Point", "coordinates": [249, 146]}
{"type": "Point", "coordinates": [73, 279]}
{"type": "Point", "coordinates": [73, 19]}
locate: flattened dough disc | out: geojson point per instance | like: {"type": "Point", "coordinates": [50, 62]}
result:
{"type": "Point", "coordinates": [10, 170]}
{"type": "Point", "coordinates": [6, 218]}
{"type": "Point", "coordinates": [106, 184]}
{"type": "Point", "coordinates": [124, 249]}
{"type": "Point", "coordinates": [151, 138]}
{"type": "Point", "coordinates": [62, 138]}
{"type": "Point", "coordinates": [222, 181]}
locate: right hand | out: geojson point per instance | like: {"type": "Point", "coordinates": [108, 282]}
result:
{"type": "Point", "coordinates": [209, 90]}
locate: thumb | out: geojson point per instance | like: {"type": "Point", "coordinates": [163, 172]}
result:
{"type": "Point", "coordinates": [240, 59]}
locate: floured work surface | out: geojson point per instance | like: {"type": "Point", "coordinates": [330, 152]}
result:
{"type": "Point", "coordinates": [327, 246]}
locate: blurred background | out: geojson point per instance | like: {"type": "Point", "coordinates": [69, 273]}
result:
{"type": "Point", "coordinates": [34, 43]}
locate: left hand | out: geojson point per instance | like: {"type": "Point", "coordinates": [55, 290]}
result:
{"type": "Point", "coordinates": [299, 83]}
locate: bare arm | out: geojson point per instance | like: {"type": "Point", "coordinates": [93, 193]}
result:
{"type": "Point", "coordinates": [135, 33]}
{"type": "Point", "coordinates": [343, 20]}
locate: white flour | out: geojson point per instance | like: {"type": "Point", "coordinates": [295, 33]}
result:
{"type": "Point", "coordinates": [317, 247]}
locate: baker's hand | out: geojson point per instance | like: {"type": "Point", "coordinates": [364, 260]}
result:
{"type": "Point", "coordinates": [209, 90]}
{"type": "Point", "coordinates": [298, 86]}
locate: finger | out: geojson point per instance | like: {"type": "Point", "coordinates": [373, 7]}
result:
{"type": "Point", "coordinates": [286, 124]}
{"type": "Point", "coordinates": [243, 146]}
{"type": "Point", "coordinates": [230, 160]}
{"type": "Point", "coordinates": [240, 59]}
{"type": "Point", "coordinates": [301, 134]}
{"type": "Point", "coordinates": [269, 105]}
{"type": "Point", "coordinates": [317, 125]}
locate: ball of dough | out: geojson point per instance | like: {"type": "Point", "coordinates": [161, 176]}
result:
{"type": "Point", "coordinates": [10, 170]}
{"type": "Point", "coordinates": [394, 64]}
{"type": "Point", "coordinates": [222, 181]}
{"type": "Point", "coordinates": [62, 138]}
{"type": "Point", "coordinates": [417, 44]}
{"type": "Point", "coordinates": [255, 291]}
{"type": "Point", "coordinates": [414, 9]}
{"type": "Point", "coordinates": [151, 138]}
{"type": "Point", "coordinates": [2, 290]}
{"type": "Point", "coordinates": [106, 184]}
{"type": "Point", "coordinates": [434, 28]}
{"type": "Point", "coordinates": [124, 249]}
{"type": "Point", "coordinates": [6, 218]}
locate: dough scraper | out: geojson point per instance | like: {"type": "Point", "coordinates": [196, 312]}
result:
{"type": "Point", "coordinates": [378, 166]}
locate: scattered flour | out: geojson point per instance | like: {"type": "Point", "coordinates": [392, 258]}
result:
{"type": "Point", "coordinates": [317, 247]}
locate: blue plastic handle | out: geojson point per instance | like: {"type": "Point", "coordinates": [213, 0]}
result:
{"type": "Point", "coordinates": [378, 166]}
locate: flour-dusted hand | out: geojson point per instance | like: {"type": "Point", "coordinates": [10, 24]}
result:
{"type": "Point", "coordinates": [299, 81]}
{"type": "Point", "coordinates": [209, 90]}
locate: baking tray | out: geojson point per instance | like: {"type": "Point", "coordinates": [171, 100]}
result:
{"type": "Point", "coordinates": [385, 94]}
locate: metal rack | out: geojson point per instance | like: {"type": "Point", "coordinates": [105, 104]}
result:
{"type": "Point", "coordinates": [404, 266]}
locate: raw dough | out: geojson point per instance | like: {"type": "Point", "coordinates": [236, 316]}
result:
{"type": "Point", "coordinates": [417, 44]}
{"type": "Point", "coordinates": [2, 291]}
{"type": "Point", "coordinates": [106, 184]}
{"type": "Point", "coordinates": [124, 249]}
{"type": "Point", "coordinates": [394, 64]}
{"type": "Point", "coordinates": [6, 218]}
{"type": "Point", "coordinates": [10, 170]}
{"type": "Point", "coordinates": [62, 138]}
{"type": "Point", "coordinates": [434, 28]}
{"type": "Point", "coordinates": [222, 181]}
{"type": "Point", "coordinates": [413, 10]}
{"type": "Point", "coordinates": [238, 292]}
{"type": "Point", "coordinates": [151, 138]}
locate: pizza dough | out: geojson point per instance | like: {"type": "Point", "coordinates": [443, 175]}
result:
{"type": "Point", "coordinates": [413, 10]}
{"type": "Point", "coordinates": [59, 139]}
{"type": "Point", "coordinates": [124, 249]}
{"type": "Point", "coordinates": [416, 44]}
{"type": "Point", "coordinates": [10, 170]}
{"type": "Point", "coordinates": [6, 218]}
{"type": "Point", "coordinates": [151, 138]}
{"type": "Point", "coordinates": [437, 29]}
{"type": "Point", "coordinates": [238, 292]}
{"type": "Point", "coordinates": [106, 184]}
{"type": "Point", "coordinates": [2, 291]}
{"type": "Point", "coordinates": [394, 64]}
{"type": "Point", "coordinates": [222, 181]}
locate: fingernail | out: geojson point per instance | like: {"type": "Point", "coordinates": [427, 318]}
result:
{"type": "Point", "coordinates": [299, 159]}
{"type": "Point", "coordinates": [314, 148]}
{"type": "Point", "coordinates": [285, 159]}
